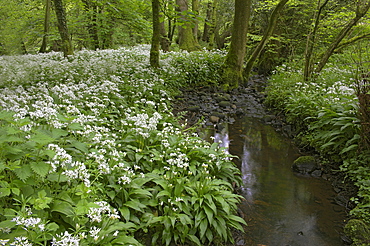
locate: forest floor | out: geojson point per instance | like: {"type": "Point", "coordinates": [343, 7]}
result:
{"type": "Point", "coordinates": [209, 106]}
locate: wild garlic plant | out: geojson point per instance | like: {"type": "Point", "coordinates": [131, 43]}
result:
{"type": "Point", "coordinates": [90, 154]}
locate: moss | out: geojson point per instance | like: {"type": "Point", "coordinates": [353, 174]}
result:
{"type": "Point", "coordinates": [358, 231]}
{"type": "Point", "coordinates": [304, 159]}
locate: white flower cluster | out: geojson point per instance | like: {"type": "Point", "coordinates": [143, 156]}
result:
{"type": "Point", "coordinates": [65, 239]}
{"type": "Point", "coordinates": [95, 214]}
{"type": "Point", "coordinates": [143, 124]}
{"type": "Point", "coordinates": [78, 170]}
{"type": "Point", "coordinates": [29, 223]}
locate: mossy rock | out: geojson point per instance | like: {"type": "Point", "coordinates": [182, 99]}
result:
{"type": "Point", "coordinates": [305, 164]}
{"type": "Point", "coordinates": [358, 231]}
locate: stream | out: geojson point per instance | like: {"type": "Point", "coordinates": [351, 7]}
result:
{"type": "Point", "coordinates": [280, 207]}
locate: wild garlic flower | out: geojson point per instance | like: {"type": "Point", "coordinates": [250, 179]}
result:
{"type": "Point", "coordinates": [29, 223]}
{"type": "Point", "coordinates": [96, 214]}
{"type": "Point", "coordinates": [65, 239]}
{"type": "Point", "coordinates": [94, 231]}
{"type": "Point", "coordinates": [21, 241]}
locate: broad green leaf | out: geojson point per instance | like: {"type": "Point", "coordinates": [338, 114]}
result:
{"type": "Point", "coordinates": [4, 192]}
{"type": "Point", "coordinates": [16, 191]}
{"type": "Point", "coordinates": [209, 213]}
{"type": "Point", "coordinates": [194, 239]}
{"type": "Point", "coordinates": [80, 146]}
{"type": "Point", "coordinates": [24, 172]}
{"type": "Point", "coordinates": [63, 208]}
{"type": "Point", "coordinates": [52, 226]}
{"type": "Point", "coordinates": [76, 126]}
{"type": "Point", "coordinates": [42, 137]}
{"type": "Point", "coordinates": [125, 211]}
{"type": "Point", "coordinates": [57, 133]}
{"type": "Point", "coordinates": [203, 226]}
{"type": "Point", "coordinates": [7, 224]}
{"type": "Point", "coordinates": [40, 168]}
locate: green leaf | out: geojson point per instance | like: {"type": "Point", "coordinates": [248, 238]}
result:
{"type": "Point", "coordinates": [63, 208]}
{"type": "Point", "coordinates": [52, 226]}
{"type": "Point", "coordinates": [194, 239]}
{"type": "Point", "coordinates": [42, 138]}
{"type": "Point", "coordinates": [80, 146]}
{"type": "Point", "coordinates": [23, 173]}
{"type": "Point", "coordinates": [40, 168]}
{"type": "Point", "coordinates": [203, 226]}
{"type": "Point", "coordinates": [57, 133]}
{"type": "Point", "coordinates": [76, 126]}
{"type": "Point", "coordinates": [7, 224]}
{"type": "Point", "coordinates": [209, 213]}
{"type": "Point", "coordinates": [125, 211]}
{"type": "Point", "coordinates": [4, 192]}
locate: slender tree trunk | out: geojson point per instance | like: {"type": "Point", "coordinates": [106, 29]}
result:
{"type": "Point", "coordinates": [46, 26]}
{"type": "Point", "coordinates": [92, 11]}
{"type": "Point", "coordinates": [359, 14]}
{"type": "Point", "coordinates": [212, 28]}
{"type": "Point", "coordinates": [205, 36]}
{"type": "Point", "coordinates": [154, 51]}
{"type": "Point", "coordinates": [63, 29]}
{"type": "Point", "coordinates": [164, 40]}
{"type": "Point", "coordinates": [195, 9]}
{"type": "Point", "coordinates": [311, 38]}
{"type": "Point", "coordinates": [232, 72]}
{"type": "Point", "coordinates": [186, 38]}
{"type": "Point", "coordinates": [270, 29]}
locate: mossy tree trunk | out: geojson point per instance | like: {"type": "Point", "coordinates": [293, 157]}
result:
{"type": "Point", "coordinates": [154, 51]}
{"type": "Point", "coordinates": [270, 29]}
{"type": "Point", "coordinates": [63, 28]}
{"type": "Point", "coordinates": [186, 38]}
{"type": "Point", "coordinates": [232, 71]}
{"type": "Point", "coordinates": [46, 26]}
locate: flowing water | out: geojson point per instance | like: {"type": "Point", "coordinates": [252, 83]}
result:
{"type": "Point", "coordinates": [280, 207]}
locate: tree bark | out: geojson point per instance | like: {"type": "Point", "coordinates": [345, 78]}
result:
{"type": "Point", "coordinates": [186, 38]}
{"type": "Point", "coordinates": [46, 26]}
{"type": "Point", "coordinates": [232, 72]}
{"type": "Point", "coordinates": [164, 39]}
{"type": "Point", "coordinates": [63, 28]}
{"type": "Point", "coordinates": [359, 14]}
{"type": "Point", "coordinates": [311, 38]}
{"type": "Point", "coordinates": [195, 9]}
{"type": "Point", "coordinates": [270, 29]}
{"type": "Point", "coordinates": [154, 51]}
{"type": "Point", "coordinates": [92, 27]}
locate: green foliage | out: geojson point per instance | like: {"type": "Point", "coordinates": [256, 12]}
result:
{"type": "Point", "coordinates": [325, 112]}
{"type": "Point", "coordinates": [198, 68]}
{"type": "Point", "coordinates": [90, 153]}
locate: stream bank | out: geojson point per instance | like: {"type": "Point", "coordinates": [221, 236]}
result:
{"type": "Point", "coordinates": [214, 109]}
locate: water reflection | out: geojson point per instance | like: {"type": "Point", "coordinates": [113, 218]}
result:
{"type": "Point", "coordinates": [281, 208]}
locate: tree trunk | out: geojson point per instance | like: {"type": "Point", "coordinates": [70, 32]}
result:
{"type": "Point", "coordinates": [92, 10]}
{"type": "Point", "coordinates": [270, 29]}
{"type": "Point", "coordinates": [311, 38]}
{"type": "Point", "coordinates": [154, 51]}
{"type": "Point", "coordinates": [212, 27]}
{"type": "Point", "coordinates": [186, 38]}
{"type": "Point", "coordinates": [195, 9]}
{"type": "Point", "coordinates": [164, 39]}
{"type": "Point", "coordinates": [63, 29]}
{"type": "Point", "coordinates": [359, 14]}
{"type": "Point", "coordinates": [205, 36]}
{"type": "Point", "coordinates": [232, 72]}
{"type": "Point", "coordinates": [46, 26]}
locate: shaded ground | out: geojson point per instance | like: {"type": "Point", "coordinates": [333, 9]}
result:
{"type": "Point", "coordinates": [211, 107]}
